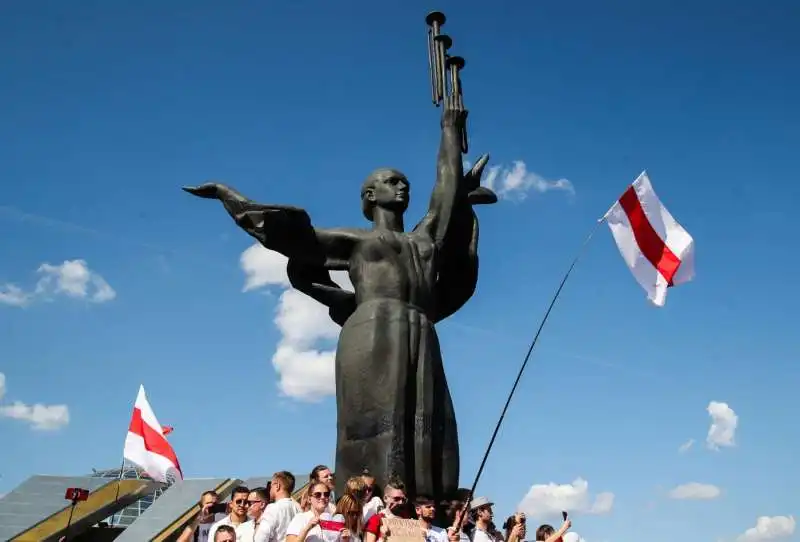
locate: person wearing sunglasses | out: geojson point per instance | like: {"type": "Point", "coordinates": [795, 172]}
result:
{"type": "Point", "coordinates": [237, 515]}
{"type": "Point", "coordinates": [305, 526]}
{"type": "Point", "coordinates": [257, 502]}
{"type": "Point", "coordinates": [372, 501]}
{"type": "Point", "coordinates": [396, 506]}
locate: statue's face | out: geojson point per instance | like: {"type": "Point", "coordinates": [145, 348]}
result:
{"type": "Point", "coordinates": [391, 191]}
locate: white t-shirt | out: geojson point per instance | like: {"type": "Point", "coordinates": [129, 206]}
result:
{"type": "Point", "coordinates": [316, 534]}
{"type": "Point", "coordinates": [299, 523]}
{"type": "Point", "coordinates": [240, 530]}
{"type": "Point", "coordinates": [479, 535]}
{"type": "Point", "coordinates": [247, 532]}
{"type": "Point", "coordinates": [436, 534]}
{"type": "Point", "coordinates": [371, 508]}
{"type": "Point", "coordinates": [276, 519]}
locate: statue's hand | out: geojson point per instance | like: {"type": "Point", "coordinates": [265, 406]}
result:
{"type": "Point", "coordinates": [212, 190]}
{"type": "Point", "coordinates": [454, 118]}
{"type": "Point", "coordinates": [477, 194]}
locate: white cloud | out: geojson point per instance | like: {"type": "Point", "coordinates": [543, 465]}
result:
{"type": "Point", "coordinates": [41, 417]}
{"type": "Point", "coordinates": [686, 446]}
{"type": "Point", "coordinates": [723, 425]}
{"type": "Point", "coordinates": [548, 500]}
{"type": "Point", "coordinates": [73, 279]}
{"type": "Point", "coordinates": [516, 182]}
{"type": "Point", "coordinates": [769, 528]}
{"type": "Point", "coordinates": [13, 295]}
{"type": "Point", "coordinates": [695, 491]}
{"type": "Point", "coordinates": [263, 267]}
{"type": "Point", "coordinates": [304, 357]}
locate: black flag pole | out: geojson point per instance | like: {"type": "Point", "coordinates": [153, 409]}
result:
{"type": "Point", "coordinates": [581, 250]}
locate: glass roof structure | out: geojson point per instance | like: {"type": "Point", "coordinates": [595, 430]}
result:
{"type": "Point", "coordinates": [128, 515]}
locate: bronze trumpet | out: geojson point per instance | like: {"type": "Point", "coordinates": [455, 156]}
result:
{"type": "Point", "coordinates": [445, 70]}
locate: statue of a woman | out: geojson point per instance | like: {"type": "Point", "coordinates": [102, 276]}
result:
{"type": "Point", "coordinates": [395, 414]}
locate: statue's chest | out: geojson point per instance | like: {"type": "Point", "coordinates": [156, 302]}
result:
{"type": "Point", "coordinates": [402, 246]}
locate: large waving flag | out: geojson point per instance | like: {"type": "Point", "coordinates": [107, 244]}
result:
{"type": "Point", "coordinates": [146, 446]}
{"type": "Point", "coordinates": [658, 251]}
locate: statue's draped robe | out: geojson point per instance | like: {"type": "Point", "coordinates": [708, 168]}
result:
{"type": "Point", "coordinates": [395, 415]}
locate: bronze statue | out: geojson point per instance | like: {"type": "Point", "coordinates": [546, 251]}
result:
{"type": "Point", "coordinates": [395, 414]}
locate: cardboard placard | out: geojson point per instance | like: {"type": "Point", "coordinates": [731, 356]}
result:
{"type": "Point", "coordinates": [404, 530]}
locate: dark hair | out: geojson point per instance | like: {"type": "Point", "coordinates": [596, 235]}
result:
{"type": "Point", "coordinates": [422, 500]}
{"type": "Point", "coordinates": [286, 479]}
{"type": "Point", "coordinates": [209, 492]}
{"type": "Point", "coordinates": [262, 493]}
{"type": "Point", "coordinates": [314, 476]}
{"type": "Point", "coordinates": [395, 483]}
{"type": "Point", "coordinates": [224, 529]}
{"type": "Point", "coordinates": [240, 489]}
{"type": "Point", "coordinates": [544, 531]}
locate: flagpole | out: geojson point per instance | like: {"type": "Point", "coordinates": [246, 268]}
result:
{"type": "Point", "coordinates": [119, 479]}
{"type": "Point", "coordinates": [581, 250]}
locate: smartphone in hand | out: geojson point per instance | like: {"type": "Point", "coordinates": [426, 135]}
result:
{"type": "Point", "coordinates": [218, 508]}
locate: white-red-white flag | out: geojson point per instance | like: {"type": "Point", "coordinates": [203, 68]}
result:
{"type": "Point", "coordinates": [658, 251]}
{"type": "Point", "coordinates": [146, 446]}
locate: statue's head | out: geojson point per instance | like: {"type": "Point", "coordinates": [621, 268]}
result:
{"type": "Point", "coordinates": [387, 188]}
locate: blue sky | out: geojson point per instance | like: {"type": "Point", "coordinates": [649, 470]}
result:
{"type": "Point", "coordinates": [108, 108]}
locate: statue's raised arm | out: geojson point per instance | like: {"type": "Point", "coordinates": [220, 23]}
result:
{"type": "Point", "coordinates": [449, 173]}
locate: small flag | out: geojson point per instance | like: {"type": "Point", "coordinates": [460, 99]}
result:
{"type": "Point", "coordinates": [658, 251]}
{"type": "Point", "coordinates": [146, 446]}
{"type": "Point", "coordinates": [167, 429]}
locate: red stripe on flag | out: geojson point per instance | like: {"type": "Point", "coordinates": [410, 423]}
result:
{"type": "Point", "coordinates": [652, 246]}
{"type": "Point", "coordinates": [328, 525]}
{"type": "Point", "coordinates": [154, 441]}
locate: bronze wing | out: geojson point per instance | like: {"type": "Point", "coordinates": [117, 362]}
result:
{"type": "Point", "coordinates": [458, 268]}
{"type": "Point", "coordinates": [286, 229]}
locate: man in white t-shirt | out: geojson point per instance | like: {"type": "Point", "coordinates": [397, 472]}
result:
{"type": "Point", "coordinates": [482, 514]}
{"type": "Point", "coordinates": [277, 516]}
{"type": "Point", "coordinates": [237, 516]}
{"type": "Point", "coordinates": [257, 503]}
{"type": "Point", "coordinates": [426, 513]}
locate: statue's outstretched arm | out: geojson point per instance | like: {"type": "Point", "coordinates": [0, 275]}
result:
{"type": "Point", "coordinates": [284, 228]}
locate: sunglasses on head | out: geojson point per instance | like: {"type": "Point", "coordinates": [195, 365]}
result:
{"type": "Point", "coordinates": [254, 502]}
{"type": "Point", "coordinates": [321, 494]}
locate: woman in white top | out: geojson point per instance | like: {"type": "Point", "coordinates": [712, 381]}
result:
{"type": "Point", "coordinates": [373, 503]}
{"type": "Point", "coordinates": [305, 527]}
{"type": "Point", "coordinates": [356, 487]}
{"type": "Point", "coordinates": [320, 473]}
{"type": "Point", "coordinates": [350, 508]}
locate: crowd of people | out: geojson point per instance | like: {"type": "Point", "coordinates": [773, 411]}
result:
{"type": "Point", "coordinates": [363, 513]}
